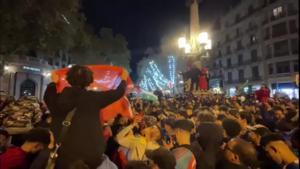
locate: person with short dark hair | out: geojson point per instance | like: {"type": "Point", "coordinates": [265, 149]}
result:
{"type": "Point", "coordinates": [234, 113]}
{"type": "Point", "coordinates": [4, 138]}
{"type": "Point", "coordinates": [240, 154]}
{"type": "Point", "coordinates": [206, 116]}
{"type": "Point", "coordinates": [210, 144]}
{"type": "Point", "coordinates": [280, 152]}
{"type": "Point", "coordinates": [182, 114]}
{"type": "Point", "coordinates": [84, 140]}
{"type": "Point", "coordinates": [254, 136]}
{"type": "Point", "coordinates": [256, 133]}
{"type": "Point", "coordinates": [295, 138]}
{"type": "Point", "coordinates": [162, 158]}
{"type": "Point", "coordinates": [223, 109]}
{"type": "Point", "coordinates": [17, 157]}
{"type": "Point", "coordinates": [186, 153]}
{"type": "Point", "coordinates": [247, 118]}
{"type": "Point", "coordinates": [138, 143]}
{"type": "Point", "coordinates": [282, 123]}
{"type": "Point", "coordinates": [168, 126]}
{"type": "Point", "coordinates": [232, 127]}
{"type": "Point", "coordinates": [138, 165]}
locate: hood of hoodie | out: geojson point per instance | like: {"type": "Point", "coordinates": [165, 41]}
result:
{"type": "Point", "coordinates": [208, 140]}
{"type": "Point", "coordinates": [68, 99]}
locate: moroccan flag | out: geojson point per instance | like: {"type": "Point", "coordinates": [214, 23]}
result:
{"type": "Point", "coordinates": [105, 78]}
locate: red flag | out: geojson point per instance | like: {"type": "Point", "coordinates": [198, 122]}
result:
{"type": "Point", "coordinates": [105, 78]}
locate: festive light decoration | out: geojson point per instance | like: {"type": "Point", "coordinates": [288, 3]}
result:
{"type": "Point", "coordinates": [172, 69]}
{"type": "Point", "coordinates": [154, 79]}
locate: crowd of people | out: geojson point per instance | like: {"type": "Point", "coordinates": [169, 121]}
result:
{"type": "Point", "coordinates": [185, 131]}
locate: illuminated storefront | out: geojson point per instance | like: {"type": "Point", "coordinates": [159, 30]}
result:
{"type": "Point", "coordinates": [290, 89]}
{"type": "Point", "coordinates": [20, 79]}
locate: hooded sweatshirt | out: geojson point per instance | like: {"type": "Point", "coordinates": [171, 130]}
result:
{"type": "Point", "coordinates": [84, 139]}
{"type": "Point", "coordinates": [210, 144]}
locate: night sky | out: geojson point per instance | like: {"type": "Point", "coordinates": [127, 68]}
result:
{"type": "Point", "coordinates": [145, 22]}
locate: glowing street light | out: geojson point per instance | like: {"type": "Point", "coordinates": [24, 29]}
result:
{"type": "Point", "coordinates": [47, 74]}
{"type": "Point", "coordinates": [6, 68]}
{"type": "Point", "coordinates": [208, 45]}
{"type": "Point", "coordinates": [182, 42]}
{"type": "Point", "coordinates": [188, 49]}
{"type": "Point", "coordinates": [203, 38]}
{"type": "Point", "coordinates": [202, 44]}
{"type": "Point", "coordinates": [70, 66]}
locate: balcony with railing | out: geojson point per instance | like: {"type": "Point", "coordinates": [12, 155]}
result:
{"type": "Point", "coordinates": [265, 21]}
{"type": "Point", "coordinates": [230, 81]}
{"type": "Point", "coordinates": [251, 28]}
{"type": "Point", "coordinates": [234, 81]}
{"type": "Point", "coordinates": [219, 55]}
{"type": "Point", "coordinates": [281, 15]}
{"type": "Point", "coordinates": [243, 63]}
{"type": "Point", "coordinates": [281, 53]}
{"type": "Point", "coordinates": [229, 66]}
{"type": "Point", "coordinates": [228, 52]}
{"type": "Point", "coordinates": [267, 36]}
{"type": "Point", "coordinates": [216, 77]}
{"type": "Point", "coordinates": [242, 80]}
{"type": "Point", "coordinates": [237, 36]}
{"type": "Point", "coordinates": [292, 12]}
{"type": "Point", "coordinates": [227, 40]}
{"type": "Point", "coordinates": [239, 48]}
{"type": "Point", "coordinates": [255, 59]}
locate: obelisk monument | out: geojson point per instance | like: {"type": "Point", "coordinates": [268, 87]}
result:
{"type": "Point", "coordinates": [194, 24]}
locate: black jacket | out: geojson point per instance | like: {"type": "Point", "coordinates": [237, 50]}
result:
{"type": "Point", "coordinates": [84, 140]}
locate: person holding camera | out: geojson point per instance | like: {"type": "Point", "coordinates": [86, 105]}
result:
{"type": "Point", "coordinates": [138, 142]}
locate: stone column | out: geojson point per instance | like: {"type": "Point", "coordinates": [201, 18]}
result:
{"type": "Point", "coordinates": [194, 24]}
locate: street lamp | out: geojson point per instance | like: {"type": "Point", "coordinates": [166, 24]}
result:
{"type": "Point", "coordinates": [181, 42]}
{"type": "Point", "coordinates": [197, 48]}
{"type": "Point", "coordinates": [200, 46]}
{"type": "Point", "coordinates": [203, 38]}
{"type": "Point", "coordinates": [188, 49]}
{"type": "Point", "coordinates": [208, 45]}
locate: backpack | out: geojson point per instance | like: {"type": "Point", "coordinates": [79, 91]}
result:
{"type": "Point", "coordinates": [185, 158]}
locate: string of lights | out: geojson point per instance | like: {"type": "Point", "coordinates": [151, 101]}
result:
{"type": "Point", "coordinates": [172, 69]}
{"type": "Point", "coordinates": [154, 79]}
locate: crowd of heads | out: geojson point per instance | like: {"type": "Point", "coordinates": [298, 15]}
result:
{"type": "Point", "coordinates": [190, 131]}
{"type": "Point", "coordinates": [212, 131]}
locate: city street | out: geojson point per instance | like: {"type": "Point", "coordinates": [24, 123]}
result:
{"type": "Point", "coordinates": [149, 84]}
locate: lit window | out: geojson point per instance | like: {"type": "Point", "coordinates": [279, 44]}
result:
{"type": "Point", "coordinates": [278, 11]}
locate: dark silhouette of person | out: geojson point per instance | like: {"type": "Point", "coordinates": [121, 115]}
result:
{"type": "Point", "coordinates": [84, 140]}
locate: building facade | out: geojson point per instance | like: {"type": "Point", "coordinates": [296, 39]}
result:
{"type": "Point", "coordinates": [256, 43]}
{"type": "Point", "coordinates": [28, 75]}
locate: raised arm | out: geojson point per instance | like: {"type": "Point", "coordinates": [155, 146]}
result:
{"type": "Point", "coordinates": [103, 99]}
{"type": "Point", "coordinates": [125, 136]}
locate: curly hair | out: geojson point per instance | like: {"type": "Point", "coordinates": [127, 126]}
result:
{"type": "Point", "coordinates": [80, 76]}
